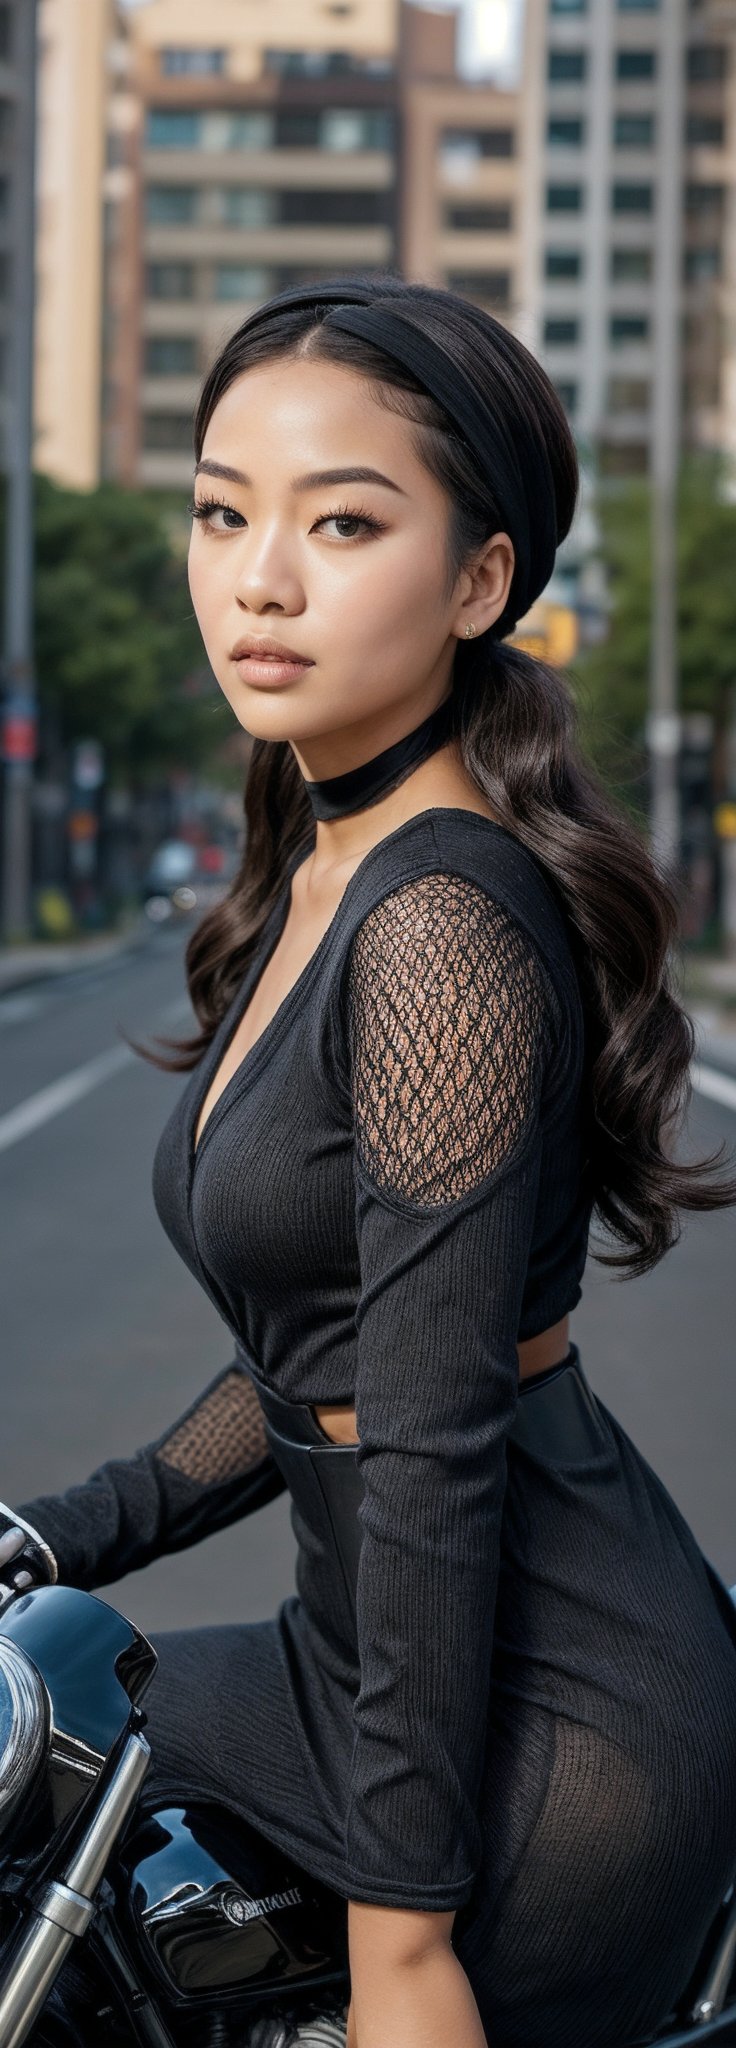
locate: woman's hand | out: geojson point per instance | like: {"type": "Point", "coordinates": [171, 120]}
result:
{"type": "Point", "coordinates": [25, 1560]}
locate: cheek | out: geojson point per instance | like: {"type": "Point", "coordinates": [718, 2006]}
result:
{"type": "Point", "coordinates": [396, 589]}
{"type": "Point", "coordinates": [210, 588]}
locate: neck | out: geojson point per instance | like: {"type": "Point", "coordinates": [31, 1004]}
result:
{"type": "Point", "coordinates": [371, 781]}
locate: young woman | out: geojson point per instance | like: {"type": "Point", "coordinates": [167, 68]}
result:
{"type": "Point", "coordinates": [498, 1716]}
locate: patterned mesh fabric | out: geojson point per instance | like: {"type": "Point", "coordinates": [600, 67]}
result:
{"type": "Point", "coordinates": [221, 1437]}
{"type": "Point", "coordinates": [211, 1467]}
{"type": "Point", "coordinates": [449, 1035]}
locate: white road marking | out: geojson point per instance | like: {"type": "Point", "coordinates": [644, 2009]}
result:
{"type": "Point", "coordinates": [59, 1095]}
{"type": "Point", "coordinates": [47, 1102]}
{"type": "Point", "coordinates": [37, 1109]}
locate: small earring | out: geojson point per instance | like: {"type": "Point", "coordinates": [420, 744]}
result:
{"type": "Point", "coordinates": [470, 632]}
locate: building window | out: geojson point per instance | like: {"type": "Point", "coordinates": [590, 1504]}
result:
{"type": "Point", "coordinates": [284, 275]}
{"type": "Point", "coordinates": [335, 208]}
{"type": "Point", "coordinates": [170, 204]}
{"type": "Point", "coordinates": [702, 263]}
{"type": "Point", "coordinates": [354, 128]}
{"type": "Point", "coordinates": [6, 32]}
{"type": "Point", "coordinates": [493, 220]}
{"type": "Point", "coordinates": [567, 67]}
{"type": "Point", "coordinates": [636, 64]}
{"type": "Point", "coordinates": [297, 128]}
{"type": "Point", "coordinates": [473, 145]}
{"type": "Point", "coordinates": [707, 62]}
{"type": "Point", "coordinates": [565, 134]}
{"type": "Point", "coordinates": [705, 131]}
{"type": "Point", "coordinates": [246, 206]}
{"type": "Point", "coordinates": [168, 432]}
{"type": "Point", "coordinates": [568, 6]}
{"type": "Point", "coordinates": [170, 355]}
{"type": "Point", "coordinates": [324, 64]}
{"type": "Point", "coordinates": [568, 395]}
{"type": "Point", "coordinates": [638, 6]}
{"type": "Point", "coordinates": [632, 265]}
{"type": "Point", "coordinates": [704, 199]}
{"type": "Point", "coordinates": [564, 198]}
{"type": "Point", "coordinates": [221, 130]}
{"type": "Point", "coordinates": [559, 333]}
{"type": "Point", "coordinates": [487, 287]}
{"type": "Point", "coordinates": [169, 281]}
{"type": "Point", "coordinates": [192, 63]}
{"type": "Point", "coordinates": [623, 327]}
{"type": "Point", "coordinates": [632, 198]}
{"type": "Point", "coordinates": [629, 394]}
{"type": "Point", "coordinates": [633, 131]}
{"type": "Point", "coordinates": [563, 263]}
{"type": "Point", "coordinates": [241, 281]}
{"type": "Point", "coordinates": [171, 128]}
{"type": "Point", "coordinates": [4, 198]}
{"type": "Point", "coordinates": [623, 458]}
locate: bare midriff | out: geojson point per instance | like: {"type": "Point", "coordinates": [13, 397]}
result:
{"type": "Point", "coordinates": [549, 1347]}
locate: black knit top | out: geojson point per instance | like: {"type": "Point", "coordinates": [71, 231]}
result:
{"type": "Point", "coordinates": [388, 1195]}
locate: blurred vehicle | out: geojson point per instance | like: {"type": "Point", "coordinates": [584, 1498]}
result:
{"type": "Point", "coordinates": [182, 878]}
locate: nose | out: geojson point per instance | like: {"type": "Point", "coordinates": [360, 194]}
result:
{"type": "Point", "coordinates": [266, 579]}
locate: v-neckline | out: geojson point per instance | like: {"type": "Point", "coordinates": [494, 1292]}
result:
{"type": "Point", "coordinates": [234, 1014]}
{"type": "Point", "coordinates": [271, 1031]}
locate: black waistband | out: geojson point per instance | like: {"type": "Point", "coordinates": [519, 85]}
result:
{"type": "Point", "coordinates": [557, 1415]}
{"type": "Point", "coordinates": [557, 1420]}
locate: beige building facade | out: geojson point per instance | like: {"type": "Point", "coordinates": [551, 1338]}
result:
{"type": "Point", "coordinates": [255, 165]}
{"type": "Point", "coordinates": [72, 89]}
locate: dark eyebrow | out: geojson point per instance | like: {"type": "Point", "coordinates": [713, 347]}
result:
{"type": "Point", "coordinates": [311, 482]}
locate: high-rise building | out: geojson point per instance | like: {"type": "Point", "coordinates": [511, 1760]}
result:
{"type": "Point", "coordinates": [632, 169]}
{"type": "Point", "coordinates": [462, 158]}
{"type": "Point", "coordinates": [264, 154]}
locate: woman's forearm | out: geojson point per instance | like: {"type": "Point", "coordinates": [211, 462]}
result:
{"type": "Point", "coordinates": [423, 2003]}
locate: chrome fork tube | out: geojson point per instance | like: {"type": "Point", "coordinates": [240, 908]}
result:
{"type": "Point", "coordinates": [62, 1911]}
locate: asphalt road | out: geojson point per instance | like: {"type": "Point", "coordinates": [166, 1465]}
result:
{"type": "Point", "coordinates": [106, 1336]}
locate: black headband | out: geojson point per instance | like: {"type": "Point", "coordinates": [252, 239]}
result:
{"type": "Point", "coordinates": [517, 467]}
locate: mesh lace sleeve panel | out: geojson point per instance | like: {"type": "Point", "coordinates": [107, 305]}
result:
{"type": "Point", "coordinates": [450, 1024]}
{"type": "Point", "coordinates": [210, 1468]}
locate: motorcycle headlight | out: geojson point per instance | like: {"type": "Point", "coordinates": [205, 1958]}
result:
{"type": "Point", "coordinates": [23, 1727]}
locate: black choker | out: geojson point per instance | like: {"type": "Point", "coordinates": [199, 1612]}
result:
{"type": "Point", "coordinates": [371, 779]}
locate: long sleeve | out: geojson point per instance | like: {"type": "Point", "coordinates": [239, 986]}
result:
{"type": "Point", "coordinates": [210, 1468]}
{"type": "Point", "coordinates": [450, 1024]}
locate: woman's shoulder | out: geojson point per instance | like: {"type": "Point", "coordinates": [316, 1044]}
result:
{"type": "Point", "coordinates": [451, 843]}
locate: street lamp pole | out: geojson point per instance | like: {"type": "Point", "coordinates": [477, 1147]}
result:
{"type": "Point", "coordinates": [19, 709]}
{"type": "Point", "coordinates": [663, 723]}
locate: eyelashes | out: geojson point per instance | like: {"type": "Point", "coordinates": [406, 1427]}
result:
{"type": "Point", "coordinates": [203, 509]}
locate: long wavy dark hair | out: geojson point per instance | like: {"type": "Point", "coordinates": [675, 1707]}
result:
{"type": "Point", "coordinates": [516, 723]}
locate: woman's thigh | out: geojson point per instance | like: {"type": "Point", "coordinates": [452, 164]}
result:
{"type": "Point", "coordinates": [218, 1716]}
{"type": "Point", "coordinates": [602, 1875]}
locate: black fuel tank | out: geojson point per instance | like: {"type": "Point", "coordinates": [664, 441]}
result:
{"type": "Point", "coordinates": [217, 1909]}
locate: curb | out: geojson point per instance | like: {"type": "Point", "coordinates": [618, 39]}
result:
{"type": "Point", "coordinates": [32, 964]}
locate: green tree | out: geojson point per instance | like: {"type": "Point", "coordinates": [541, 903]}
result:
{"type": "Point", "coordinates": [613, 677]}
{"type": "Point", "coordinates": [118, 651]}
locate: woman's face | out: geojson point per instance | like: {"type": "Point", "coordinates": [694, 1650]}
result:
{"type": "Point", "coordinates": [347, 571]}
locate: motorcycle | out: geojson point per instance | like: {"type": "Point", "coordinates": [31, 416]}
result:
{"type": "Point", "coordinates": [166, 1927]}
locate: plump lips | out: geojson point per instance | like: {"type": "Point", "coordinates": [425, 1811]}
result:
{"type": "Point", "coordinates": [263, 649]}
